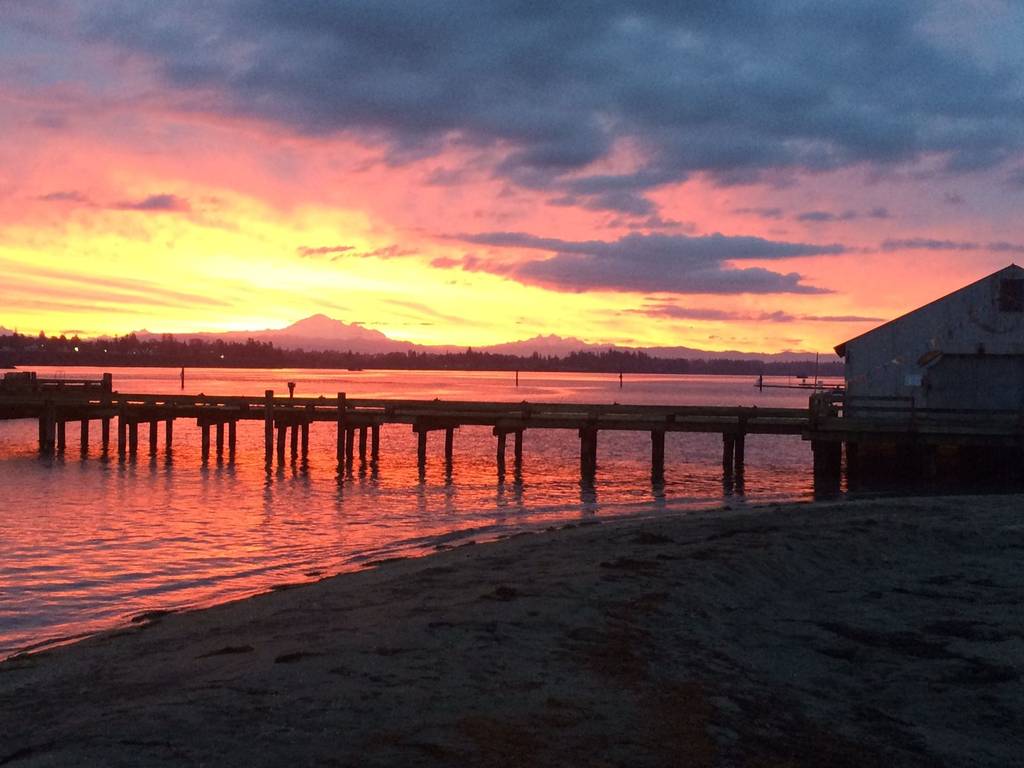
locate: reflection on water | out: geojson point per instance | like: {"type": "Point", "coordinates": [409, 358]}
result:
{"type": "Point", "coordinates": [88, 541]}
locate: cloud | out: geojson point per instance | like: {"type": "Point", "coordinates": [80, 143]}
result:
{"type": "Point", "coordinates": [339, 252]}
{"type": "Point", "coordinates": [764, 213]}
{"type": "Point", "coordinates": [847, 215]}
{"type": "Point", "coordinates": [677, 312]}
{"type": "Point", "coordinates": [66, 196]}
{"type": "Point", "coordinates": [652, 263]}
{"type": "Point", "coordinates": [155, 203]}
{"type": "Point", "coordinates": [926, 244]}
{"type": "Point", "coordinates": [732, 90]}
{"type": "Point", "coordinates": [307, 252]}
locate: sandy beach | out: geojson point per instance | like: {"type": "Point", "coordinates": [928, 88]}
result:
{"type": "Point", "coordinates": [881, 632]}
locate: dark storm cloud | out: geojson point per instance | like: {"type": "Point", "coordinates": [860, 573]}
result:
{"type": "Point", "coordinates": [730, 89]}
{"type": "Point", "coordinates": [155, 203]}
{"type": "Point", "coordinates": [648, 263]}
{"type": "Point", "coordinates": [847, 215]}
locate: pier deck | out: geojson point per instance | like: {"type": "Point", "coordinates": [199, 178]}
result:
{"type": "Point", "coordinates": [828, 423]}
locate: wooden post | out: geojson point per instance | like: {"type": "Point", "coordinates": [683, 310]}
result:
{"type": "Point", "coordinates": [168, 436]}
{"type": "Point", "coordinates": [232, 438]}
{"type": "Point", "coordinates": [421, 450]}
{"type": "Point", "coordinates": [518, 450]}
{"type": "Point", "coordinates": [305, 431]}
{"type": "Point", "coordinates": [501, 449]}
{"type": "Point", "coordinates": [827, 459]}
{"type": "Point", "coordinates": [449, 446]}
{"type": "Point", "coordinates": [51, 427]}
{"type": "Point", "coordinates": [220, 440]}
{"type": "Point", "coordinates": [588, 452]}
{"type": "Point", "coordinates": [350, 439]}
{"type": "Point", "coordinates": [740, 451]}
{"type": "Point", "coordinates": [152, 438]}
{"type": "Point", "coordinates": [295, 440]}
{"type": "Point", "coordinates": [281, 435]}
{"type": "Point", "coordinates": [122, 432]}
{"type": "Point", "coordinates": [658, 454]}
{"type": "Point", "coordinates": [268, 426]}
{"type": "Point", "coordinates": [375, 443]}
{"type": "Point", "coordinates": [105, 435]}
{"type": "Point", "coordinates": [133, 438]}
{"type": "Point", "coordinates": [62, 436]}
{"type": "Point", "coordinates": [205, 427]}
{"type": "Point", "coordinates": [341, 427]}
{"type": "Point", "coordinates": [108, 382]}
{"type": "Point", "coordinates": [85, 435]}
{"type": "Point", "coordinates": [728, 452]}
{"type": "Point", "coordinates": [362, 445]}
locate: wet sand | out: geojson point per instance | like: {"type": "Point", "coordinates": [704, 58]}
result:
{"type": "Point", "coordinates": [872, 633]}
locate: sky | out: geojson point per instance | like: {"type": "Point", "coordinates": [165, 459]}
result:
{"type": "Point", "coordinates": [758, 176]}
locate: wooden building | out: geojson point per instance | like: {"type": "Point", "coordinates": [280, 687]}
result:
{"type": "Point", "coordinates": [964, 351]}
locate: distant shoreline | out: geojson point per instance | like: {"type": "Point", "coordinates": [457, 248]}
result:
{"type": "Point", "coordinates": [876, 632]}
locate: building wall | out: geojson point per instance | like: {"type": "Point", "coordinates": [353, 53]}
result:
{"type": "Point", "coordinates": [895, 359]}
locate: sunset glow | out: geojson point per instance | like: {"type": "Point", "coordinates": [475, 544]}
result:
{"type": "Point", "coordinates": [178, 170]}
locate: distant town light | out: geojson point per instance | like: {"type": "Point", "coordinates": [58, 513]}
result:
{"type": "Point", "coordinates": [76, 349]}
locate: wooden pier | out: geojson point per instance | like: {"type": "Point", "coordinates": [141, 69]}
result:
{"type": "Point", "coordinates": [287, 422]}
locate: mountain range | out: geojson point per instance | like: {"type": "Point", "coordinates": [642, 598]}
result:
{"type": "Point", "coordinates": [319, 332]}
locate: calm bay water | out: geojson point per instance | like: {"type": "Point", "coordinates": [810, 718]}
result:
{"type": "Point", "coordinates": [86, 542]}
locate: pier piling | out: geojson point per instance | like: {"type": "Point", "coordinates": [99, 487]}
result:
{"type": "Point", "coordinates": [350, 441]}
{"type": "Point", "coordinates": [375, 444]}
{"type": "Point", "coordinates": [517, 449]}
{"type": "Point", "coordinates": [588, 452]}
{"type": "Point", "coordinates": [232, 438]}
{"type": "Point", "coordinates": [220, 440]}
{"type": "Point", "coordinates": [205, 428]}
{"type": "Point", "coordinates": [152, 437]}
{"type": "Point", "coordinates": [268, 426]}
{"type": "Point", "coordinates": [728, 453]}
{"type": "Point", "coordinates": [85, 435]}
{"type": "Point", "coordinates": [658, 454]}
{"type": "Point", "coordinates": [421, 450]}
{"type": "Point", "coordinates": [62, 436]}
{"type": "Point", "coordinates": [341, 428]}
{"type": "Point", "coordinates": [168, 436]}
{"type": "Point", "coordinates": [281, 436]}
{"type": "Point", "coordinates": [105, 435]}
{"type": "Point", "coordinates": [501, 435]}
{"type": "Point", "coordinates": [362, 445]}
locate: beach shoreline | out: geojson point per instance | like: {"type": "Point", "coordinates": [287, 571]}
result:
{"type": "Point", "coordinates": [873, 632]}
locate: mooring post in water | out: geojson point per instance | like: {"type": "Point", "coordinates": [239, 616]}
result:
{"type": "Point", "coordinates": [362, 445]}
{"type": "Point", "coordinates": [152, 437]}
{"type": "Point", "coordinates": [232, 438]}
{"type": "Point", "coordinates": [449, 447]}
{"type": "Point", "coordinates": [341, 428]}
{"type": "Point", "coordinates": [657, 454]}
{"type": "Point", "coordinates": [105, 435]}
{"type": "Point", "coordinates": [85, 435]}
{"type": "Point", "coordinates": [739, 452]}
{"type": "Point", "coordinates": [62, 436]}
{"type": "Point", "coordinates": [588, 452]}
{"type": "Point", "coordinates": [168, 435]}
{"type": "Point", "coordinates": [133, 437]}
{"type": "Point", "coordinates": [220, 440]}
{"type": "Point", "coordinates": [268, 426]}
{"type": "Point", "coordinates": [517, 449]}
{"type": "Point", "coordinates": [375, 444]}
{"type": "Point", "coordinates": [295, 440]}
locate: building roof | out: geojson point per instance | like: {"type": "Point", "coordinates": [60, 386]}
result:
{"type": "Point", "coordinates": [841, 348]}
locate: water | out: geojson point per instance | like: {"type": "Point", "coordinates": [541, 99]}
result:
{"type": "Point", "coordinates": [87, 543]}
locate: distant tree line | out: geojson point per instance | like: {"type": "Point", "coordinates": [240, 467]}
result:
{"type": "Point", "coordinates": [21, 350]}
